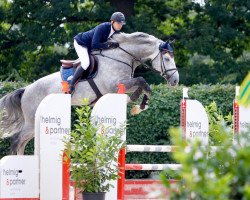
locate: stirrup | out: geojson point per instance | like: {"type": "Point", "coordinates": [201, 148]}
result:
{"type": "Point", "coordinates": [71, 90]}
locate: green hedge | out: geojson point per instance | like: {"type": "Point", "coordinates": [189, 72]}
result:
{"type": "Point", "coordinates": [6, 87]}
{"type": "Point", "coordinates": [150, 127]}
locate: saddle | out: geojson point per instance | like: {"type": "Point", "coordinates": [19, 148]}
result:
{"type": "Point", "coordinates": [70, 65]}
{"type": "Point", "coordinates": [68, 69]}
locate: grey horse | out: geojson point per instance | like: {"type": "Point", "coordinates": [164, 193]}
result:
{"type": "Point", "coordinates": [115, 66]}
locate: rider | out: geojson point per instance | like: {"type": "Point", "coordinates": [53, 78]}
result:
{"type": "Point", "coordinates": [95, 38]}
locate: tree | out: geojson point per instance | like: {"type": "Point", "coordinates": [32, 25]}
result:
{"type": "Point", "coordinates": [213, 39]}
{"type": "Point", "coordinates": [36, 34]}
{"type": "Point", "coordinates": [124, 6]}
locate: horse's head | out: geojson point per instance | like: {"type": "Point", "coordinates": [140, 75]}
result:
{"type": "Point", "coordinates": [164, 63]}
{"type": "Point", "coordinates": [146, 47]}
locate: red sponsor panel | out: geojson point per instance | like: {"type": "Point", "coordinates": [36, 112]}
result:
{"type": "Point", "coordinates": [183, 117]}
{"type": "Point", "coordinates": [236, 117]}
{"type": "Point", "coordinates": [65, 176]}
{"type": "Point", "coordinates": [121, 180]}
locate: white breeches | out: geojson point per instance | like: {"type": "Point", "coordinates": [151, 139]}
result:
{"type": "Point", "coordinates": [83, 55]}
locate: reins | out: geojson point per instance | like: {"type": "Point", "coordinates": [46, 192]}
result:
{"type": "Point", "coordinates": [163, 68]}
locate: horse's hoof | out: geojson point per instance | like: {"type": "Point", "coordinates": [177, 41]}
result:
{"type": "Point", "coordinates": [135, 110]}
{"type": "Point", "coordinates": [145, 107]}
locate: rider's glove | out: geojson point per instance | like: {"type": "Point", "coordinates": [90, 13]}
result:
{"type": "Point", "coordinates": [113, 45]}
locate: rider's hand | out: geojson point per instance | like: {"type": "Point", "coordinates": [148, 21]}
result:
{"type": "Point", "coordinates": [113, 45]}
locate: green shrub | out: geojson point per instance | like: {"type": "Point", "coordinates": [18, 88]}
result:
{"type": "Point", "coordinates": [93, 156]}
{"type": "Point", "coordinates": [216, 119]}
{"type": "Point", "coordinates": [6, 87]}
{"type": "Point", "coordinates": [209, 173]}
{"type": "Point", "coordinates": [4, 147]}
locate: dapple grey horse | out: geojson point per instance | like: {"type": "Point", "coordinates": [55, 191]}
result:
{"type": "Point", "coordinates": [115, 66]}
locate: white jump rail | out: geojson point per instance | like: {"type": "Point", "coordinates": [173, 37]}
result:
{"type": "Point", "coordinates": [151, 148]}
{"type": "Point", "coordinates": [159, 167]}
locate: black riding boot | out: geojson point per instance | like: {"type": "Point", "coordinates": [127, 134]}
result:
{"type": "Point", "coordinates": [77, 75]}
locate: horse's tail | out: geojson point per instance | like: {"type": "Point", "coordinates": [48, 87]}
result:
{"type": "Point", "coordinates": [11, 114]}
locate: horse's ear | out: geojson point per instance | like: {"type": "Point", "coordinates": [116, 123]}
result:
{"type": "Point", "coordinates": [172, 41]}
{"type": "Point", "coordinates": [166, 46]}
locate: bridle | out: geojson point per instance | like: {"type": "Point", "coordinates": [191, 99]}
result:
{"type": "Point", "coordinates": [164, 71]}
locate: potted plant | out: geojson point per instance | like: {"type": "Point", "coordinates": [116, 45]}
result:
{"type": "Point", "coordinates": [93, 156]}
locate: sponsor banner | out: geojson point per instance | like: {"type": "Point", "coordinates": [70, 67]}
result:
{"type": "Point", "coordinates": [110, 112]}
{"type": "Point", "coordinates": [241, 118]}
{"type": "Point", "coordinates": [19, 177]}
{"type": "Point", "coordinates": [194, 121]}
{"type": "Point", "coordinates": [53, 123]}
{"type": "Point", "coordinates": [244, 118]}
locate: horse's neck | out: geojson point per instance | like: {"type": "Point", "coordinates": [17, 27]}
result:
{"type": "Point", "coordinates": [140, 45]}
{"type": "Point", "coordinates": [119, 55]}
{"type": "Point", "coordinates": [139, 52]}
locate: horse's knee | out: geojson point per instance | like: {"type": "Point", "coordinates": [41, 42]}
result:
{"type": "Point", "coordinates": [147, 89]}
{"type": "Point", "coordinates": [136, 94]}
{"type": "Point", "coordinates": [142, 83]}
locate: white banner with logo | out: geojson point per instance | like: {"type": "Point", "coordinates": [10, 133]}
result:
{"type": "Point", "coordinates": [110, 112]}
{"type": "Point", "coordinates": [19, 177]}
{"type": "Point", "coordinates": [194, 121]}
{"type": "Point", "coordinates": [53, 125]}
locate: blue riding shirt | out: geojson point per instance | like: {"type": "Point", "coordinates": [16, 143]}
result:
{"type": "Point", "coordinates": [95, 38]}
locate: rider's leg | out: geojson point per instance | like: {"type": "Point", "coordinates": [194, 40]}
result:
{"type": "Point", "coordinates": [77, 75]}
{"type": "Point", "coordinates": [83, 55]}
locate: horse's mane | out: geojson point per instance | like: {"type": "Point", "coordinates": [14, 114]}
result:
{"type": "Point", "coordinates": [135, 38]}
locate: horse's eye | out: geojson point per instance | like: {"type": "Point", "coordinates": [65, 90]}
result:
{"type": "Point", "coordinates": [171, 54]}
{"type": "Point", "coordinates": [167, 59]}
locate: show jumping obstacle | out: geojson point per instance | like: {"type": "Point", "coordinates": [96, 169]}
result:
{"type": "Point", "coordinates": [194, 122]}
{"type": "Point", "coordinates": [45, 176]}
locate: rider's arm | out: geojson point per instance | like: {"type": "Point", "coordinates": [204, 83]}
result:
{"type": "Point", "coordinates": [98, 34]}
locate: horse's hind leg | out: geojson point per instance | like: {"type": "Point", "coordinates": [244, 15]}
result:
{"type": "Point", "coordinates": [20, 140]}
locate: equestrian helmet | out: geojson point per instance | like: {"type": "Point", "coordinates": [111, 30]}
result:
{"type": "Point", "coordinates": [118, 17]}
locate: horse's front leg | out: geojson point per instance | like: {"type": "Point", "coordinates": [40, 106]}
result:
{"type": "Point", "coordinates": [137, 86]}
